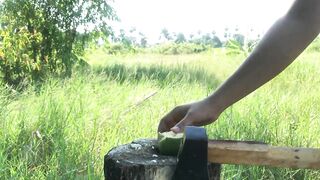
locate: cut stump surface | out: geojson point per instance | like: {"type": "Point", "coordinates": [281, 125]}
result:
{"type": "Point", "coordinates": [140, 160]}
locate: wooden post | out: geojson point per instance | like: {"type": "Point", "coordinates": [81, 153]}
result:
{"type": "Point", "coordinates": [140, 160]}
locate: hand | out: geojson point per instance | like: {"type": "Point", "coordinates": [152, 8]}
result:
{"type": "Point", "coordinates": [195, 114]}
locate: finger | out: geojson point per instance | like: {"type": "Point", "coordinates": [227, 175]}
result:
{"type": "Point", "coordinates": [172, 118]}
{"type": "Point", "coordinates": [166, 123]}
{"type": "Point", "coordinates": [164, 126]}
{"type": "Point", "coordinates": [186, 121]}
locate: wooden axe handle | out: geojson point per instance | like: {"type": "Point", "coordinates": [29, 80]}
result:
{"type": "Point", "coordinates": [237, 152]}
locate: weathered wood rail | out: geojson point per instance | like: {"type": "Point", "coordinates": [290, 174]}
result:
{"type": "Point", "coordinates": [250, 153]}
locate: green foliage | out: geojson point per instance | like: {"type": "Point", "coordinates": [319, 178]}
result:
{"type": "Point", "coordinates": [251, 44]}
{"type": "Point", "coordinates": [41, 37]}
{"type": "Point", "coordinates": [15, 63]}
{"type": "Point", "coordinates": [118, 48]}
{"type": "Point", "coordinates": [180, 38]}
{"type": "Point", "coordinates": [128, 40]}
{"type": "Point", "coordinates": [181, 48]}
{"type": "Point", "coordinates": [64, 130]}
{"type": "Point", "coordinates": [125, 39]}
{"type": "Point", "coordinates": [234, 47]}
{"type": "Point", "coordinates": [208, 39]}
{"type": "Point", "coordinates": [314, 46]}
{"type": "Point", "coordinates": [165, 34]}
{"type": "Point", "coordinates": [239, 38]}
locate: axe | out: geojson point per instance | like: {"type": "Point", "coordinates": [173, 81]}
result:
{"type": "Point", "coordinates": [196, 151]}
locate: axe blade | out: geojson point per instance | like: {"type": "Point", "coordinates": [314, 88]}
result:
{"type": "Point", "coordinates": [193, 155]}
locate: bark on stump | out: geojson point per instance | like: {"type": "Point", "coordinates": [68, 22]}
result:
{"type": "Point", "coordinates": [140, 160]}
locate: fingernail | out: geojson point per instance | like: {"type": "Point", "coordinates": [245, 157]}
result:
{"type": "Point", "coordinates": [175, 129]}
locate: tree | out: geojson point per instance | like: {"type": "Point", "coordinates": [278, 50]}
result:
{"type": "Point", "coordinates": [208, 39]}
{"type": "Point", "coordinates": [216, 42]}
{"type": "Point", "coordinates": [133, 36]}
{"type": "Point", "coordinates": [143, 40]}
{"type": "Point", "coordinates": [165, 34]}
{"type": "Point", "coordinates": [191, 36]}
{"type": "Point", "coordinates": [239, 38]}
{"type": "Point", "coordinates": [226, 33]}
{"type": "Point", "coordinates": [125, 39]}
{"type": "Point", "coordinates": [180, 38]}
{"type": "Point", "coordinates": [45, 34]}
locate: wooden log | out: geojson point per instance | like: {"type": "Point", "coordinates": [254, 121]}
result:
{"type": "Point", "coordinates": [251, 153]}
{"type": "Point", "coordinates": [140, 160]}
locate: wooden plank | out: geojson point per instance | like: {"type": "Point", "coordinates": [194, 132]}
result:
{"type": "Point", "coordinates": [237, 152]}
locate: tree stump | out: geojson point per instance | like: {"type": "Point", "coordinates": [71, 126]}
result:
{"type": "Point", "coordinates": [140, 160]}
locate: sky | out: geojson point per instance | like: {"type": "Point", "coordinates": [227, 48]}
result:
{"type": "Point", "coordinates": [191, 16]}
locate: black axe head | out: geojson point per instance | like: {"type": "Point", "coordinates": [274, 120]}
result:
{"type": "Point", "coordinates": [193, 155]}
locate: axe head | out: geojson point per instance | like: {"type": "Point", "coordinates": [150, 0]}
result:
{"type": "Point", "coordinates": [193, 155]}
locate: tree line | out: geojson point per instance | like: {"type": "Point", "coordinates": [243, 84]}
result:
{"type": "Point", "coordinates": [136, 38]}
{"type": "Point", "coordinates": [40, 38]}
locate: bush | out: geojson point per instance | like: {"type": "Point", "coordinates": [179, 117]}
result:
{"type": "Point", "coordinates": [16, 66]}
{"type": "Point", "coordinates": [118, 48]}
{"type": "Point", "coordinates": [181, 48]}
{"type": "Point", "coordinates": [235, 48]}
{"type": "Point", "coordinates": [40, 38]}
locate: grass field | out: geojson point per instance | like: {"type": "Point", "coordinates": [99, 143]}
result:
{"type": "Point", "coordinates": [63, 130]}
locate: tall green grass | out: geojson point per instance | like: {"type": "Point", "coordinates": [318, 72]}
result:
{"type": "Point", "coordinates": [63, 130]}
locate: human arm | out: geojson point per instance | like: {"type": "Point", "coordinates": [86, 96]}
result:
{"type": "Point", "coordinates": [285, 40]}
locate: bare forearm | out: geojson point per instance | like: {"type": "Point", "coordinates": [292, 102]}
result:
{"type": "Point", "coordinates": [280, 46]}
{"type": "Point", "coordinates": [287, 38]}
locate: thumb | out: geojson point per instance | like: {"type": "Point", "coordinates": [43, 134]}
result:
{"type": "Point", "coordinates": [179, 127]}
